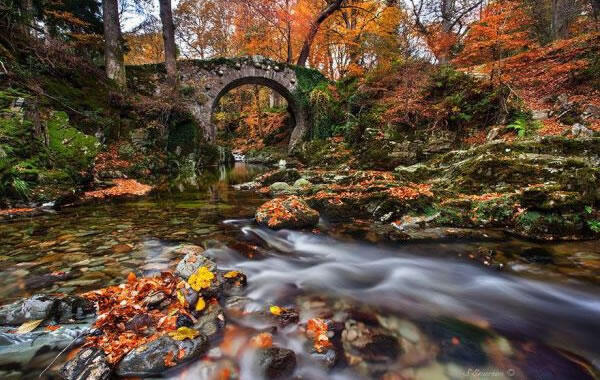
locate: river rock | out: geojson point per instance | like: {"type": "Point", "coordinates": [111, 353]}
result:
{"type": "Point", "coordinates": [20, 349]}
{"type": "Point", "coordinates": [60, 310]}
{"type": "Point", "coordinates": [193, 260]}
{"type": "Point", "coordinates": [276, 362]}
{"type": "Point", "coordinates": [233, 285]}
{"type": "Point", "coordinates": [89, 364]}
{"type": "Point", "coordinates": [369, 343]}
{"type": "Point", "coordinates": [280, 188]}
{"type": "Point", "coordinates": [283, 175]}
{"type": "Point", "coordinates": [579, 130]}
{"type": "Point", "coordinates": [291, 212]}
{"type": "Point", "coordinates": [327, 359]}
{"type": "Point", "coordinates": [149, 359]}
{"type": "Point", "coordinates": [211, 322]}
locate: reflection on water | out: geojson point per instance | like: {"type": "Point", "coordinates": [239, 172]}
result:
{"type": "Point", "coordinates": [84, 248]}
{"type": "Point", "coordinates": [449, 315]}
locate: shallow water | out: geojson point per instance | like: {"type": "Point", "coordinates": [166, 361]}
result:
{"type": "Point", "coordinates": [537, 318]}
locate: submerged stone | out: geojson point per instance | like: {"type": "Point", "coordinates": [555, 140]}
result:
{"type": "Point", "coordinates": [276, 362]}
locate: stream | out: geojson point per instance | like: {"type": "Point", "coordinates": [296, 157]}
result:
{"type": "Point", "coordinates": [456, 318]}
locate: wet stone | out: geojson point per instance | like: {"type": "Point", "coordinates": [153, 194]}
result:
{"type": "Point", "coordinates": [275, 362]}
{"type": "Point", "coordinates": [193, 260]}
{"type": "Point", "coordinates": [327, 359]}
{"type": "Point", "coordinates": [233, 285]}
{"type": "Point", "coordinates": [138, 322]}
{"type": "Point", "coordinates": [89, 364]}
{"type": "Point", "coordinates": [184, 321]}
{"type": "Point", "coordinates": [211, 322]}
{"type": "Point", "coordinates": [369, 343]}
{"type": "Point", "coordinates": [149, 359]}
{"type": "Point", "coordinates": [45, 307]}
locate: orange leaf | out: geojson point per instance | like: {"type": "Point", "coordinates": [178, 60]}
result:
{"type": "Point", "coordinates": [131, 277]}
{"type": "Point", "coordinates": [169, 359]}
{"type": "Point", "coordinates": [263, 340]}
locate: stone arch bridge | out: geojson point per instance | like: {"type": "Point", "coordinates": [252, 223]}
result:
{"type": "Point", "coordinates": [203, 83]}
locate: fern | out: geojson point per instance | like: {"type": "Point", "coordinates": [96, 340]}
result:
{"type": "Point", "coordinates": [594, 225]}
{"type": "Point", "coordinates": [524, 126]}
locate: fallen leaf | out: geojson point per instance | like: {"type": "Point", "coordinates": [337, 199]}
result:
{"type": "Point", "coordinates": [181, 354]}
{"type": "Point", "coordinates": [169, 359]}
{"type": "Point", "coordinates": [201, 279]}
{"type": "Point", "coordinates": [131, 277]}
{"type": "Point", "coordinates": [53, 328]}
{"type": "Point", "coordinates": [181, 298]}
{"type": "Point", "coordinates": [232, 274]}
{"type": "Point", "coordinates": [201, 304]}
{"type": "Point", "coordinates": [184, 333]}
{"type": "Point", "coordinates": [29, 326]}
{"type": "Point", "coordinates": [263, 340]}
{"type": "Point", "coordinates": [275, 310]}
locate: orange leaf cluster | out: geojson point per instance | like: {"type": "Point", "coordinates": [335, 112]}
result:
{"type": "Point", "coordinates": [413, 191]}
{"type": "Point", "coordinates": [262, 340]}
{"type": "Point", "coordinates": [118, 305]}
{"type": "Point", "coordinates": [278, 212]}
{"type": "Point", "coordinates": [122, 187]}
{"type": "Point", "coordinates": [16, 211]}
{"type": "Point", "coordinates": [317, 329]}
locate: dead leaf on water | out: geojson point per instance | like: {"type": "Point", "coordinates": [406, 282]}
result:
{"type": "Point", "coordinates": [29, 326]}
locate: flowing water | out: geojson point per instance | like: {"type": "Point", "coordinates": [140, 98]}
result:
{"type": "Point", "coordinates": [453, 315]}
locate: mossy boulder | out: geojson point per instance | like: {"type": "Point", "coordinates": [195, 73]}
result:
{"type": "Point", "coordinates": [281, 175]}
{"type": "Point", "coordinates": [289, 213]}
{"type": "Point", "coordinates": [550, 226]}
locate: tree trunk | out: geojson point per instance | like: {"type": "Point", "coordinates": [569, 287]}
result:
{"type": "Point", "coordinates": [290, 54]}
{"type": "Point", "coordinates": [596, 9]}
{"type": "Point", "coordinates": [561, 18]}
{"type": "Point", "coordinates": [314, 28]}
{"type": "Point", "coordinates": [28, 17]}
{"type": "Point", "coordinates": [166, 17]}
{"type": "Point", "coordinates": [275, 99]}
{"type": "Point", "coordinates": [258, 110]}
{"type": "Point", "coordinates": [39, 130]}
{"type": "Point", "coordinates": [113, 50]}
{"type": "Point", "coordinates": [447, 10]}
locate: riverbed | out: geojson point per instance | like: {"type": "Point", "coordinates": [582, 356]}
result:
{"type": "Point", "coordinates": [459, 308]}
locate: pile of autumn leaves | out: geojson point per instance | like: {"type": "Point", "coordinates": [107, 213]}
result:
{"type": "Point", "coordinates": [128, 315]}
{"type": "Point", "coordinates": [128, 318]}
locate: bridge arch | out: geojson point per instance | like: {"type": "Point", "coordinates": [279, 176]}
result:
{"type": "Point", "coordinates": [213, 79]}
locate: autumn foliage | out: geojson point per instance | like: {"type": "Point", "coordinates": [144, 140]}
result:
{"type": "Point", "coordinates": [503, 29]}
{"type": "Point", "coordinates": [118, 305]}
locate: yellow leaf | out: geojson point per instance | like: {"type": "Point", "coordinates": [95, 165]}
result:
{"type": "Point", "coordinates": [201, 279]}
{"type": "Point", "coordinates": [181, 298]}
{"type": "Point", "coordinates": [275, 310]}
{"type": "Point", "coordinates": [29, 326]}
{"type": "Point", "coordinates": [200, 305]}
{"type": "Point", "coordinates": [232, 274]}
{"type": "Point", "coordinates": [184, 333]}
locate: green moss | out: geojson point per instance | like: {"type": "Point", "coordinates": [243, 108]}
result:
{"type": "Point", "coordinates": [69, 147]}
{"type": "Point", "coordinates": [495, 212]}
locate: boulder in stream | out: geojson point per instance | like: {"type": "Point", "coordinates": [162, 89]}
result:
{"type": "Point", "coordinates": [194, 258]}
{"type": "Point", "coordinates": [41, 307]}
{"type": "Point", "coordinates": [291, 212]}
{"type": "Point", "coordinates": [89, 364]}
{"type": "Point", "coordinates": [150, 359]}
{"type": "Point", "coordinates": [276, 362]}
